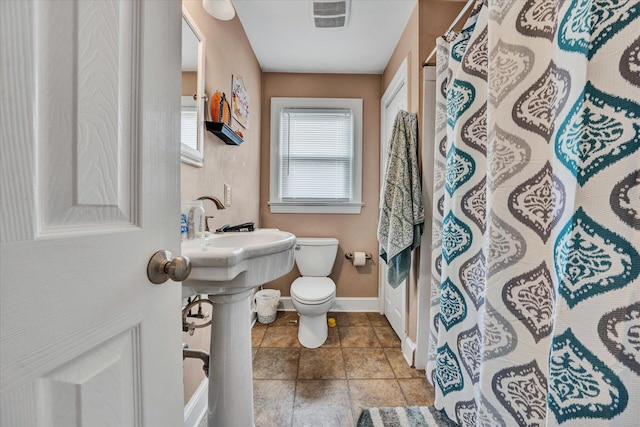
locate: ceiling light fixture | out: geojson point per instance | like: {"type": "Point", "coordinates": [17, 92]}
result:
{"type": "Point", "coordinates": [219, 9]}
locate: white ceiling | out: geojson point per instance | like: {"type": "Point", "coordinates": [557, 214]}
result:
{"type": "Point", "coordinates": [284, 39]}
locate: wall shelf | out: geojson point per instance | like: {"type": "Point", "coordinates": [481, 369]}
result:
{"type": "Point", "coordinates": [224, 132]}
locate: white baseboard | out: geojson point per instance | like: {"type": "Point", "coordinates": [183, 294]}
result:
{"type": "Point", "coordinates": [196, 409]}
{"type": "Point", "coordinates": [341, 304]}
{"type": "Point", "coordinates": [408, 351]}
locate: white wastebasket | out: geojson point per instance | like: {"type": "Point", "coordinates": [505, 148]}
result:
{"type": "Point", "coordinates": [267, 305]}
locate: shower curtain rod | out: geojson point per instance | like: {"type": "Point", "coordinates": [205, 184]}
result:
{"type": "Point", "coordinates": [455, 21]}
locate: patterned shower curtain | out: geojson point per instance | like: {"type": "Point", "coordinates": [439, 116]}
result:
{"type": "Point", "coordinates": [535, 315]}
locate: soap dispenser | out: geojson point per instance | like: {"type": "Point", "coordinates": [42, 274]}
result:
{"type": "Point", "coordinates": [192, 217]}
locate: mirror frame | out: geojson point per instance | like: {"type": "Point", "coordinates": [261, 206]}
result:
{"type": "Point", "coordinates": [187, 154]}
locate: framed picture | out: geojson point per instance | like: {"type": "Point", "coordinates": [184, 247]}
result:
{"type": "Point", "coordinates": [240, 102]}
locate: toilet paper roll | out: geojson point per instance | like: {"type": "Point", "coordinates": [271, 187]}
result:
{"type": "Point", "coordinates": [359, 259]}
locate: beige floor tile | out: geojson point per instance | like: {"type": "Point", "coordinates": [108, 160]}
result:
{"type": "Point", "coordinates": [366, 363]}
{"type": "Point", "coordinates": [352, 319]}
{"type": "Point", "coordinates": [286, 318]}
{"type": "Point", "coordinates": [399, 364]}
{"type": "Point", "coordinates": [322, 403]}
{"type": "Point", "coordinates": [374, 393]}
{"type": "Point", "coordinates": [387, 336]}
{"type": "Point", "coordinates": [377, 319]}
{"type": "Point", "coordinates": [358, 336]}
{"type": "Point", "coordinates": [276, 363]}
{"type": "Point", "coordinates": [362, 348]}
{"type": "Point", "coordinates": [280, 336]}
{"type": "Point", "coordinates": [333, 338]}
{"type": "Point", "coordinates": [321, 363]}
{"type": "Point", "coordinates": [273, 402]}
{"type": "Point", "coordinates": [417, 391]}
{"type": "Point", "coordinates": [257, 333]}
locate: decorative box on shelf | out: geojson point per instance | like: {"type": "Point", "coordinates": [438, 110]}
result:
{"type": "Point", "coordinates": [224, 132]}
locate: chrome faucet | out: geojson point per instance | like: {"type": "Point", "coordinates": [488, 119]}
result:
{"type": "Point", "coordinates": [219, 205]}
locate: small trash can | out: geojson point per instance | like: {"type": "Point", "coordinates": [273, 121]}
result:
{"type": "Point", "coordinates": [267, 305]}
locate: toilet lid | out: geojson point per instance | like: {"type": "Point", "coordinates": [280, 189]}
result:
{"type": "Point", "coordinates": [313, 290]}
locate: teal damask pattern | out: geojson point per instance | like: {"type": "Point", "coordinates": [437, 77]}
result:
{"type": "Point", "coordinates": [590, 24]}
{"type": "Point", "coordinates": [460, 168]}
{"type": "Point", "coordinates": [581, 385]}
{"type": "Point", "coordinates": [456, 237]}
{"type": "Point", "coordinates": [453, 308]}
{"type": "Point", "coordinates": [591, 260]}
{"type": "Point", "coordinates": [448, 372]}
{"type": "Point", "coordinates": [599, 130]}
{"type": "Point", "coordinates": [460, 96]}
{"type": "Point", "coordinates": [536, 301]}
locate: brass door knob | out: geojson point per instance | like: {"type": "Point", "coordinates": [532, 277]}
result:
{"type": "Point", "coordinates": [163, 267]}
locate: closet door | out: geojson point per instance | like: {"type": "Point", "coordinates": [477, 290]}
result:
{"type": "Point", "coordinates": [90, 190]}
{"type": "Point", "coordinates": [394, 99]}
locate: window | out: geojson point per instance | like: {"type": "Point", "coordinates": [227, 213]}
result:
{"type": "Point", "coordinates": [316, 155]}
{"type": "Point", "coordinates": [191, 143]}
{"type": "Point", "coordinates": [189, 123]}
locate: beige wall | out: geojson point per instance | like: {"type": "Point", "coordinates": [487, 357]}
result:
{"type": "Point", "coordinates": [189, 83]}
{"type": "Point", "coordinates": [428, 21]}
{"type": "Point", "coordinates": [407, 47]}
{"type": "Point", "coordinates": [228, 52]}
{"type": "Point", "coordinates": [355, 232]}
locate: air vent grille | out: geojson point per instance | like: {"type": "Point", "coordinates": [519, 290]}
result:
{"type": "Point", "coordinates": [329, 8]}
{"type": "Point", "coordinates": [333, 22]}
{"type": "Point", "coordinates": [330, 13]}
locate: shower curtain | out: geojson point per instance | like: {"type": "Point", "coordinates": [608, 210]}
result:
{"type": "Point", "coordinates": [535, 316]}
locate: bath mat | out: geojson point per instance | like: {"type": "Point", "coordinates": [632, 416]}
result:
{"type": "Point", "coordinates": [403, 416]}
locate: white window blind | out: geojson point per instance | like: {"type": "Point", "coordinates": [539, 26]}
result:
{"type": "Point", "coordinates": [316, 153]}
{"type": "Point", "coordinates": [189, 123]}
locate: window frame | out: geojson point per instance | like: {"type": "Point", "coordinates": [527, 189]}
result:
{"type": "Point", "coordinates": [276, 204]}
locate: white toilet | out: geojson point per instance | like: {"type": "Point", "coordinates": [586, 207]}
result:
{"type": "Point", "coordinates": [313, 294]}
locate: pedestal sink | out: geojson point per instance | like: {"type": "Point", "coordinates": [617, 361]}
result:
{"type": "Point", "coordinates": [228, 267]}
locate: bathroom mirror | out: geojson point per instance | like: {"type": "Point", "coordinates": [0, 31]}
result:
{"type": "Point", "coordinates": [193, 100]}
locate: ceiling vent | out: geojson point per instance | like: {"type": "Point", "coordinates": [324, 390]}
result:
{"type": "Point", "coordinates": [330, 14]}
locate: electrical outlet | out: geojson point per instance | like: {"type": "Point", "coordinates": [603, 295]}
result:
{"type": "Point", "coordinates": [227, 195]}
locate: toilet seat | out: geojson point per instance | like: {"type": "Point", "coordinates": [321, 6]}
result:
{"type": "Point", "coordinates": [313, 290]}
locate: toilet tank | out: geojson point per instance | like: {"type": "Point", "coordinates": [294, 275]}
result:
{"type": "Point", "coordinates": [315, 255]}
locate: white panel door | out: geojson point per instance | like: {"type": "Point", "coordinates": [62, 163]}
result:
{"type": "Point", "coordinates": [393, 100]}
{"type": "Point", "coordinates": [90, 190]}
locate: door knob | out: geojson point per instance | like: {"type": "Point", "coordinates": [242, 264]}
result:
{"type": "Point", "coordinates": [162, 267]}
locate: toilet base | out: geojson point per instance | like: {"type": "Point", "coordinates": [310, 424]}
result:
{"type": "Point", "coordinates": [313, 330]}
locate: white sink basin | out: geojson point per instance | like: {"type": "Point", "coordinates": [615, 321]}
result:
{"type": "Point", "coordinates": [232, 262]}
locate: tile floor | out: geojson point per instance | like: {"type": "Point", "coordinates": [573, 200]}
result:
{"type": "Point", "coordinates": [360, 365]}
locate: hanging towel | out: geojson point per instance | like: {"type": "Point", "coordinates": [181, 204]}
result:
{"type": "Point", "coordinates": [401, 206]}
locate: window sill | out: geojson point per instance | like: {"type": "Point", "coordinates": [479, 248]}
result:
{"type": "Point", "coordinates": [352, 208]}
{"type": "Point", "coordinates": [191, 157]}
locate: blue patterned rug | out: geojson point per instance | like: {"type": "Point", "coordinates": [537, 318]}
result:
{"type": "Point", "coordinates": [403, 416]}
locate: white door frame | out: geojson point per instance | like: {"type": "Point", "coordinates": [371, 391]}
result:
{"type": "Point", "coordinates": [424, 276]}
{"type": "Point", "coordinates": [398, 85]}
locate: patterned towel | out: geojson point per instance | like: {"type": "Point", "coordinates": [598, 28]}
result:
{"type": "Point", "coordinates": [401, 206]}
{"type": "Point", "coordinates": [403, 416]}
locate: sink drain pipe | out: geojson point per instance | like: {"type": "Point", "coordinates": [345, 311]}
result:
{"type": "Point", "coordinates": [196, 354]}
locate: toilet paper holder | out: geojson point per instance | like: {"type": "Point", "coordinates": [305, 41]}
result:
{"type": "Point", "coordinates": [350, 256]}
